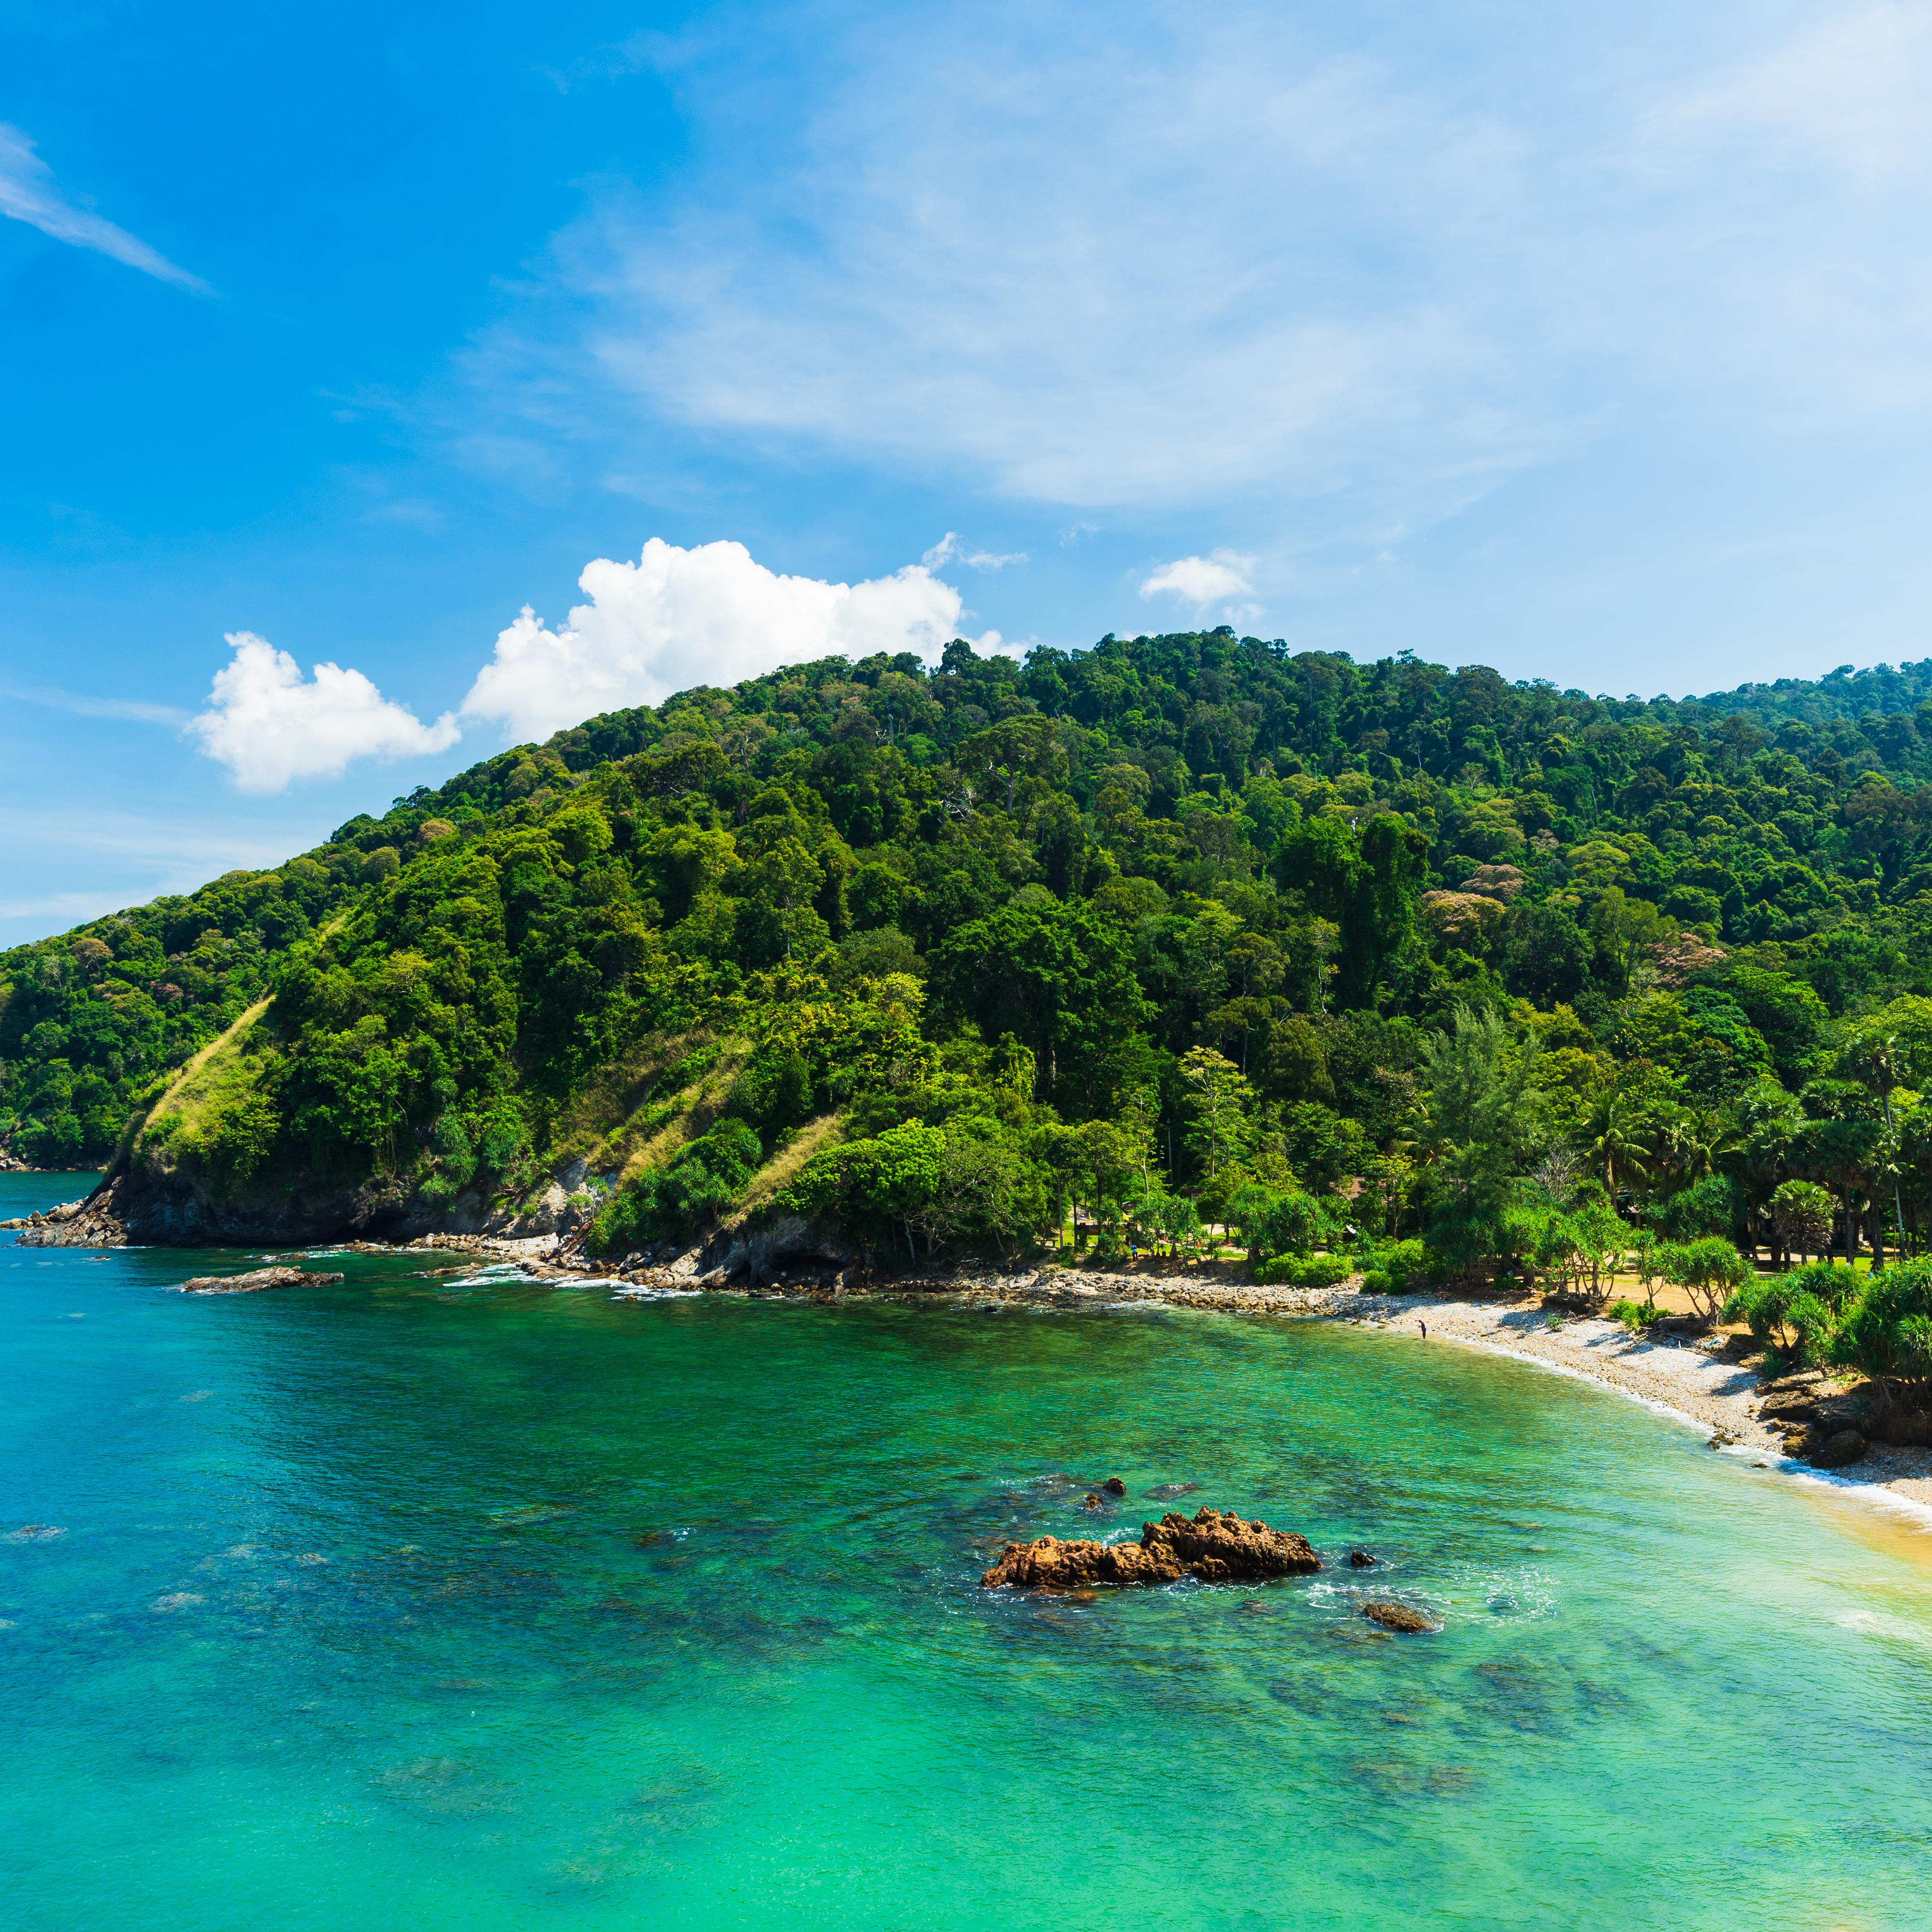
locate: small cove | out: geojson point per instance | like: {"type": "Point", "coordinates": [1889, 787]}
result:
{"type": "Point", "coordinates": [453, 1600]}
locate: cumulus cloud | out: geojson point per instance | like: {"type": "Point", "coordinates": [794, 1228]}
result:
{"type": "Point", "coordinates": [28, 194]}
{"type": "Point", "coordinates": [269, 724]}
{"type": "Point", "coordinates": [708, 615]}
{"type": "Point", "coordinates": [1201, 580]}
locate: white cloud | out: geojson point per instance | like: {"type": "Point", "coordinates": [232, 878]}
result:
{"type": "Point", "coordinates": [708, 615]}
{"type": "Point", "coordinates": [1260, 255]}
{"type": "Point", "coordinates": [269, 725]}
{"type": "Point", "coordinates": [129, 709]}
{"type": "Point", "coordinates": [28, 194]}
{"type": "Point", "coordinates": [948, 547]}
{"type": "Point", "coordinates": [1201, 580]}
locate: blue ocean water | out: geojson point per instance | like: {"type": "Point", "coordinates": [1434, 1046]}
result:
{"type": "Point", "coordinates": [455, 1600]}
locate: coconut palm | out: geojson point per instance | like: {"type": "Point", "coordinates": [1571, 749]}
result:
{"type": "Point", "coordinates": [1613, 1139]}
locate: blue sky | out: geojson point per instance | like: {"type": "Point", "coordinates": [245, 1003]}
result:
{"type": "Point", "coordinates": [1586, 343]}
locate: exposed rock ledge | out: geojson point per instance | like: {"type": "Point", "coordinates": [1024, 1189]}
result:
{"type": "Point", "coordinates": [256, 1280]}
{"type": "Point", "coordinates": [1216, 1546]}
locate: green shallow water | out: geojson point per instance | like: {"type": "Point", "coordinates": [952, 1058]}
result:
{"type": "Point", "coordinates": [409, 1602]}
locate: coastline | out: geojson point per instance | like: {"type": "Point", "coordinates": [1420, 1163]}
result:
{"type": "Point", "coordinates": [1704, 1387]}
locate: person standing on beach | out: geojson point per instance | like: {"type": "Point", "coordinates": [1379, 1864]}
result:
{"type": "Point", "coordinates": [1424, 1326]}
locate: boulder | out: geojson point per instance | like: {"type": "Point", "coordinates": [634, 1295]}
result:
{"type": "Point", "coordinates": [1047, 1564]}
{"type": "Point", "coordinates": [1838, 1412]}
{"type": "Point", "coordinates": [1360, 1559]}
{"type": "Point", "coordinates": [1790, 1405]}
{"type": "Point", "coordinates": [1909, 1428]}
{"type": "Point", "coordinates": [1394, 1616]}
{"type": "Point", "coordinates": [1114, 1486]}
{"type": "Point", "coordinates": [258, 1279]}
{"type": "Point", "coordinates": [1215, 1545]}
{"type": "Point", "coordinates": [1836, 1451]}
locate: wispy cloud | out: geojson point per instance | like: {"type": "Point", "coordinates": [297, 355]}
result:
{"type": "Point", "coordinates": [28, 194]}
{"type": "Point", "coordinates": [134, 710]}
{"type": "Point", "coordinates": [949, 549]}
{"type": "Point", "coordinates": [1263, 254]}
{"type": "Point", "coordinates": [135, 857]}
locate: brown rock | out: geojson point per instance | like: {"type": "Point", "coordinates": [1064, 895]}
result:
{"type": "Point", "coordinates": [1394, 1616]}
{"type": "Point", "coordinates": [1215, 1545]}
{"type": "Point", "coordinates": [1360, 1559]}
{"type": "Point", "coordinates": [1909, 1428]}
{"type": "Point", "coordinates": [258, 1279]}
{"type": "Point", "coordinates": [1836, 1451]}
{"type": "Point", "coordinates": [1050, 1565]}
{"type": "Point", "coordinates": [1114, 1486]}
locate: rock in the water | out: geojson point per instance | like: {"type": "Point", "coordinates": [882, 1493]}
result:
{"type": "Point", "coordinates": [260, 1278]}
{"type": "Point", "coordinates": [1162, 1492]}
{"type": "Point", "coordinates": [1360, 1559]}
{"type": "Point", "coordinates": [1050, 1565]}
{"type": "Point", "coordinates": [1093, 1500]}
{"type": "Point", "coordinates": [1215, 1545]}
{"type": "Point", "coordinates": [1394, 1616]}
{"type": "Point", "coordinates": [1114, 1486]}
{"type": "Point", "coordinates": [1835, 1451]}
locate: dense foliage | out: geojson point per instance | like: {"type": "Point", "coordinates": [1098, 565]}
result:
{"type": "Point", "coordinates": [1178, 931]}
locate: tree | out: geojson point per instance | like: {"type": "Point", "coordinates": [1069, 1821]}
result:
{"type": "Point", "coordinates": [1801, 1212]}
{"type": "Point", "coordinates": [1219, 1106]}
{"type": "Point", "coordinates": [1711, 1270]}
{"type": "Point", "coordinates": [1613, 1137]}
{"type": "Point", "coordinates": [1058, 976]}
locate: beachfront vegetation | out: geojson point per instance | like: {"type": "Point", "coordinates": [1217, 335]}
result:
{"type": "Point", "coordinates": [1177, 944]}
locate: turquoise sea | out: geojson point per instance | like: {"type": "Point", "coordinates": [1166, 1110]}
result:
{"type": "Point", "coordinates": [462, 1603]}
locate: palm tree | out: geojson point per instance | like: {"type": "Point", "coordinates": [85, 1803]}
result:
{"type": "Point", "coordinates": [1613, 1139]}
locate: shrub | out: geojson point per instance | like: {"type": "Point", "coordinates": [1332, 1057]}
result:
{"type": "Point", "coordinates": [699, 1182]}
{"type": "Point", "coordinates": [1711, 1270]}
{"type": "Point", "coordinates": [1274, 1221]}
{"type": "Point", "coordinates": [1793, 1316]}
{"type": "Point", "coordinates": [1393, 1267]}
{"type": "Point", "coordinates": [1886, 1328]}
{"type": "Point", "coordinates": [1634, 1315]}
{"type": "Point", "coordinates": [1304, 1270]}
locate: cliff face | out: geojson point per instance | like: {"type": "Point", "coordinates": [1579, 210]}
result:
{"type": "Point", "coordinates": [148, 1204]}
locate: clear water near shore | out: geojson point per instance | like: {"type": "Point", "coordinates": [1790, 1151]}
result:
{"type": "Point", "coordinates": [464, 1603]}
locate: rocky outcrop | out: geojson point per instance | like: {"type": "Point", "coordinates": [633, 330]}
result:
{"type": "Point", "coordinates": [255, 1280]}
{"type": "Point", "coordinates": [1394, 1616]}
{"type": "Point", "coordinates": [1050, 1565]}
{"type": "Point", "coordinates": [1837, 1452]}
{"type": "Point", "coordinates": [147, 1203]}
{"type": "Point", "coordinates": [1215, 1545]}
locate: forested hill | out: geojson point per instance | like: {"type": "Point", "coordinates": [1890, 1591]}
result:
{"type": "Point", "coordinates": [1014, 901]}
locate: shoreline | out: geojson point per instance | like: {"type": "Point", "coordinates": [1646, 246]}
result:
{"type": "Point", "coordinates": [1692, 1383]}
{"type": "Point", "coordinates": [1700, 1387]}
